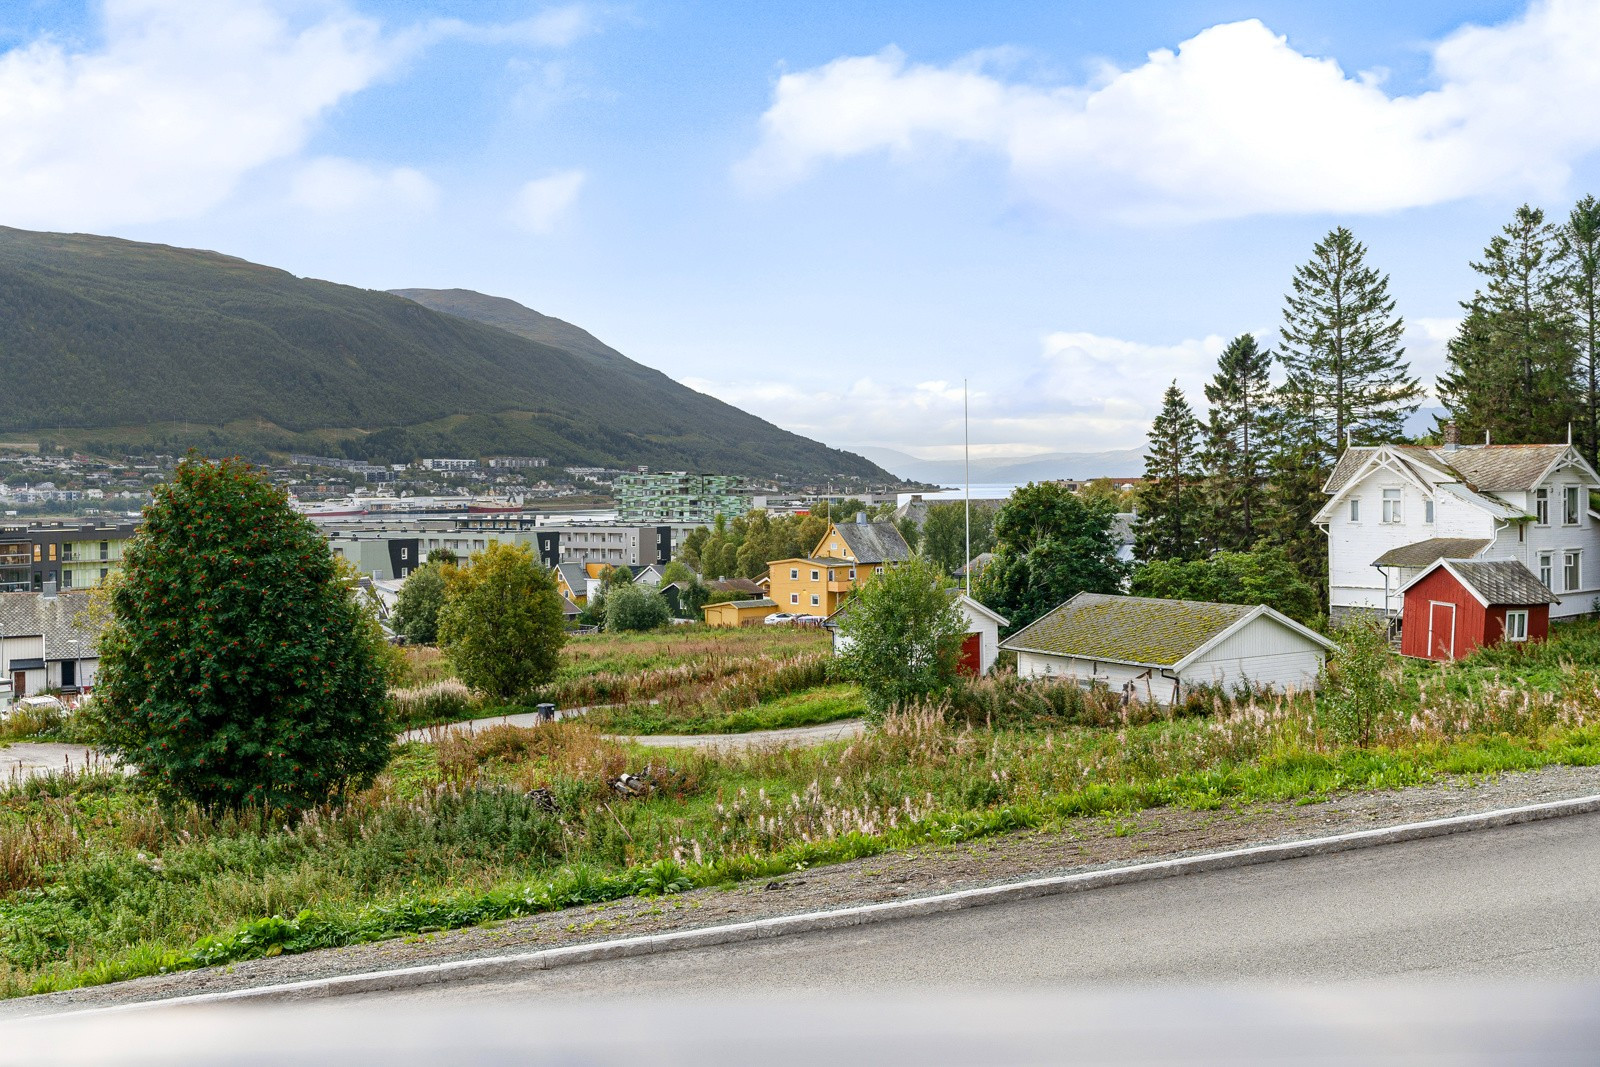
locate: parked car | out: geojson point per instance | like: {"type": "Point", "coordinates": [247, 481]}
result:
{"type": "Point", "coordinates": [780, 618]}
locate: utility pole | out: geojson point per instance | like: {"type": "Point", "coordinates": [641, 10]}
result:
{"type": "Point", "coordinates": [966, 451]}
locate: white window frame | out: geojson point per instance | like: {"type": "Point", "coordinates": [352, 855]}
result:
{"type": "Point", "coordinates": [1572, 565]}
{"type": "Point", "coordinates": [815, 600]}
{"type": "Point", "coordinates": [816, 575]}
{"type": "Point", "coordinates": [1547, 570]}
{"type": "Point", "coordinates": [1427, 510]}
{"type": "Point", "coordinates": [1541, 507]}
{"type": "Point", "coordinates": [1393, 500]}
{"type": "Point", "coordinates": [794, 574]}
{"type": "Point", "coordinates": [1571, 506]}
{"type": "Point", "coordinates": [794, 598]}
{"type": "Point", "coordinates": [1516, 625]}
{"type": "Point", "coordinates": [1355, 509]}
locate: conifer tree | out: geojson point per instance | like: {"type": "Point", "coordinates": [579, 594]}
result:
{"type": "Point", "coordinates": [1299, 458]}
{"type": "Point", "coordinates": [1234, 456]}
{"type": "Point", "coordinates": [1341, 346]}
{"type": "Point", "coordinates": [1169, 520]}
{"type": "Point", "coordinates": [1512, 362]}
{"type": "Point", "coordinates": [1582, 247]}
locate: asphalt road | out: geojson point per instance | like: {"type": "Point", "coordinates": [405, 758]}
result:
{"type": "Point", "coordinates": [1507, 905]}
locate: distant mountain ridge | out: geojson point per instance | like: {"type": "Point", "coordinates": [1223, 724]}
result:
{"type": "Point", "coordinates": [107, 340]}
{"type": "Point", "coordinates": [1127, 462]}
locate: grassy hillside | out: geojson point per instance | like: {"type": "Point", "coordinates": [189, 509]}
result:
{"type": "Point", "coordinates": [123, 340]}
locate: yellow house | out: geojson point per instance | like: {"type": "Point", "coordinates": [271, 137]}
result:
{"type": "Point", "coordinates": [738, 612]}
{"type": "Point", "coordinates": [847, 555]}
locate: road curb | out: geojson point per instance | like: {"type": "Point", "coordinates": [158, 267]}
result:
{"type": "Point", "coordinates": [490, 967]}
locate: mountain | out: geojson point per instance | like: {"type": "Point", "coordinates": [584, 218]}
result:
{"type": "Point", "coordinates": [139, 345]}
{"type": "Point", "coordinates": [1127, 462]}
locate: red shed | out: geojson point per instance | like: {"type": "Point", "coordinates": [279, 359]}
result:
{"type": "Point", "coordinates": [1459, 605]}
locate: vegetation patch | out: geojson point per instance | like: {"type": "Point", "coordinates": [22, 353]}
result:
{"type": "Point", "coordinates": [812, 707]}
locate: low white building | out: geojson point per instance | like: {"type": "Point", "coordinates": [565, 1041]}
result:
{"type": "Point", "coordinates": [47, 642]}
{"type": "Point", "coordinates": [980, 646]}
{"type": "Point", "coordinates": [1156, 649]}
{"type": "Point", "coordinates": [1395, 510]}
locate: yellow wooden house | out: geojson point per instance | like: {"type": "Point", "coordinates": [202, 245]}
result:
{"type": "Point", "coordinates": [848, 554]}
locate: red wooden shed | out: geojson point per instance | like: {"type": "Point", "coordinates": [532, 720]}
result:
{"type": "Point", "coordinates": [1458, 605]}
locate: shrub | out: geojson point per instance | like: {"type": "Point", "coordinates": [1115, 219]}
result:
{"type": "Point", "coordinates": [904, 634]}
{"type": "Point", "coordinates": [635, 607]}
{"type": "Point", "coordinates": [416, 609]}
{"type": "Point", "coordinates": [1363, 685]}
{"type": "Point", "coordinates": [238, 667]}
{"type": "Point", "coordinates": [501, 624]}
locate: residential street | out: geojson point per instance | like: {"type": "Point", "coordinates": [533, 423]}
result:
{"type": "Point", "coordinates": [1508, 905]}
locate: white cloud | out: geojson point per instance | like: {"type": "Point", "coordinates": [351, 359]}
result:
{"type": "Point", "coordinates": [330, 185]}
{"type": "Point", "coordinates": [554, 27]}
{"type": "Point", "coordinates": [1083, 392]}
{"type": "Point", "coordinates": [1234, 122]}
{"type": "Point", "coordinates": [541, 203]}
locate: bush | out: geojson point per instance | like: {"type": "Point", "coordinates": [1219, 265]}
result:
{"type": "Point", "coordinates": [501, 624]}
{"type": "Point", "coordinates": [1363, 686]}
{"type": "Point", "coordinates": [635, 608]}
{"type": "Point", "coordinates": [238, 667]}
{"type": "Point", "coordinates": [904, 634]}
{"type": "Point", "coordinates": [416, 609]}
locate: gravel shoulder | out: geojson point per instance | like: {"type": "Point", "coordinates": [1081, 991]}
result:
{"type": "Point", "coordinates": [1084, 845]}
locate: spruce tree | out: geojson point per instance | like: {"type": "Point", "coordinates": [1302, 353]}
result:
{"type": "Point", "coordinates": [1234, 455]}
{"type": "Point", "coordinates": [1341, 346]}
{"type": "Point", "coordinates": [1299, 457]}
{"type": "Point", "coordinates": [1582, 270]}
{"type": "Point", "coordinates": [1169, 519]}
{"type": "Point", "coordinates": [1513, 360]}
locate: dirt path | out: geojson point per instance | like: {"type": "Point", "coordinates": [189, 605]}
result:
{"type": "Point", "coordinates": [24, 759]}
{"type": "Point", "coordinates": [1085, 844]}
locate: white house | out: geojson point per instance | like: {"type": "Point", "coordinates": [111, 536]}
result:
{"type": "Point", "coordinates": [47, 641]}
{"type": "Point", "coordinates": [979, 648]}
{"type": "Point", "coordinates": [1394, 510]}
{"type": "Point", "coordinates": [1156, 649]}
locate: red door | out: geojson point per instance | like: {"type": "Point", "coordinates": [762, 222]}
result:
{"type": "Point", "coordinates": [1441, 630]}
{"type": "Point", "coordinates": [971, 661]}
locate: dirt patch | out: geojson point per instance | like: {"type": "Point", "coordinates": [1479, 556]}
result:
{"type": "Point", "coordinates": [1086, 844]}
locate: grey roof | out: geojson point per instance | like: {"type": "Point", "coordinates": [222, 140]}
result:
{"type": "Point", "coordinates": [1501, 581]}
{"type": "Point", "coordinates": [1127, 629]}
{"type": "Point", "coordinates": [734, 585]}
{"type": "Point", "coordinates": [977, 563]}
{"type": "Point", "coordinates": [764, 602]}
{"type": "Point", "coordinates": [1122, 524]}
{"type": "Point", "coordinates": [1423, 553]}
{"type": "Point", "coordinates": [574, 575]}
{"type": "Point", "coordinates": [569, 608]}
{"type": "Point", "coordinates": [874, 542]}
{"type": "Point", "coordinates": [1485, 468]}
{"type": "Point", "coordinates": [60, 620]}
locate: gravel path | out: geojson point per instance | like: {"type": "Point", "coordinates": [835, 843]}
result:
{"type": "Point", "coordinates": [1084, 844]}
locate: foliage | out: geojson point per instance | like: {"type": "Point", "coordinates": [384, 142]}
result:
{"type": "Point", "coordinates": [1363, 689]}
{"type": "Point", "coordinates": [238, 668]}
{"type": "Point", "coordinates": [636, 607]}
{"type": "Point", "coordinates": [1049, 547]}
{"type": "Point", "coordinates": [1104, 492]}
{"type": "Point", "coordinates": [1265, 575]}
{"type": "Point", "coordinates": [1513, 359]}
{"type": "Point", "coordinates": [1582, 276]}
{"type": "Point", "coordinates": [1234, 455]}
{"type": "Point", "coordinates": [416, 609]}
{"type": "Point", "coordinates": [443, 556]}
{"type": "Point", "coordinates": [501, 624]}
{"type": "Point", "coordinates": [742, 547]}
{"type": "Point", "coordinates": [1169, 524]}
{"type": "Point", "coordinates": [808, 707]}
{"type": "Point", "coordinates": [677, 571]}
{"type": "Point", "coordinates": [904, 636]}
{"type": "Point", "coordinates": [944, 533]}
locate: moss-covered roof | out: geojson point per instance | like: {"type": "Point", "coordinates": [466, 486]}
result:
{"type": "Point", "coordinates": [1127, 629]}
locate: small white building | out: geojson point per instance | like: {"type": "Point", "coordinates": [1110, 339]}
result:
{"type": "Point", "coordinates": [47, 642]}
{"type": "Point", "coordinates": [1155, 649]}
{"type": "Point", "coordinates": [980, 646]}
{"type": "Point", "coordinates": [1393, 511]}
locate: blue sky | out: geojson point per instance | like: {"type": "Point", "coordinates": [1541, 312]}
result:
{"type": "Point", "coordinates": [826, 214]}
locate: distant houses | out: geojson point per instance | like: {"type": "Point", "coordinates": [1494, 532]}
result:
{"type": "Point", "coordinates": [48, 641]}
{"type": "Point", "coordinates": [845, 557]}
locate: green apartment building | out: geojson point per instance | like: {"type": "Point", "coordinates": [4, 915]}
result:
{"type": "Point", "coordinates": [677, 496]}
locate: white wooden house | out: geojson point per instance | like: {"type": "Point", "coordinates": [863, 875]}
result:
{"type": "Point", "coordinates": [980, 643]}
{"type": "Point", "coordinates": [1395, 510]}
{"type": "Point", "coordinates": [1156, 649]}
{"type": "Point", "coordinates": [48, 641]}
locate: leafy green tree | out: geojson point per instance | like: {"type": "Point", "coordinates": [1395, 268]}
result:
{"type": "Point", "coordinates": [416, 609]}
{"type": "Point", "coordinates": [612, 577]}
{"type": "Point", "coordinates": [1049, 547]}
{"type": "Point", "coordinates": [692, 598]}
{"type": "Point", "coordinates": [1264, 576]}
{"type": "Point", "coordinates": [910, 531]}
{"type": "Point", "coordinates": [903, 636]}
{"type": "Point", "coordinates": [944, 533]}
{"type": "Point", "coordinates": [501, 624]}
{"type": "Point", "coordinates": [1234, 455]}
{"type": "Point", "coordinates": [636, 607]}
{"type": "Point", "coordinates": [238, 666]}
{"type": "Point", "coordinates": [1341, 346]}
{"type": "Point", "coordinates": [444, 555]}
{"type": "Point", "coordinates": [1363, 688]}
{"type": "Point", "coordinates": [1514, 359]}
{"type": "Point", "coordinates": [676, 571]}
{"type": "Point", "coordinates": [1582, 275]}
{"type": "Point", "coordinates": [1169, 521]}
{"type": "Point", "coordinates": [692, 547]}
{"type": "Point", "coordinates": [1104, 492]}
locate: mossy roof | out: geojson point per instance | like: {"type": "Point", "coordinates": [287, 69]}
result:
{"type": "Point", "coordinates": [1127, 629]}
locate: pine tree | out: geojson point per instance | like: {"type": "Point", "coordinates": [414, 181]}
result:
{"type": "Point", "coordinates": [1582, 248]}
{"type": "Point", "coordinates": [1299, 457]}
{"type": "Point", "coordinates": [1169, 520]}
{"type": "Point", "coordinates": [1341, 346]}
{"type": "Point", "coordinates": [1234, 456]}
{"type": "Point", "coordinates": [1513, 360]}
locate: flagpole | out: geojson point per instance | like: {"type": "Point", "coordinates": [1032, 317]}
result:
{"type": "Point", "coordinates": [966, 451]}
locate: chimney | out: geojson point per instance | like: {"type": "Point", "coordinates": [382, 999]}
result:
{"type": "Point", "coordinates": [861, 518]}
{"type": "Point", "coordinates": [1452, 436]}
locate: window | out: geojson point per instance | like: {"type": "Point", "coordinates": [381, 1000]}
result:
{"type": "Point", "coordinates": [815, 574]}
{"type": "Point", "coordinates": [1355, 509]}
{"type": "Point", "coordinates": [103, 573]}
{"type": "Point", "coordinates": [1569, 506]}
{"type": "Point", "coordinates": [1541, 507]}
{"type": "Point", "coordinates": [1571, 569]}
{"type": "Point", "coordinates": [52, 551]}
{"type": "Point", "coordinates": [105, 549]}
{"type": "Point", "coordinates": [1427, 510]}
{"type": "Point", "coordinates": [66, 579]}
{"type": "Point", "coordinates": [405, 553]}
{"type": "Point", "coordinates": [830, 574]}
{"type": "Point", "coordinates": [794, 573]}
{"type": "Point", "coordinates": [815, 600]}
{"type": "Point", "coordinates": [1546, 569]}
{"type": "Point", "coordinates": [852, 574]}
{"type": "Point", "coordinates": [794, 598]}
{"type": "Point", "coordinates": [37, 549]}
{"type": "Point", "coordinates": [1516, 626]}
{"type": "Point", "coordinates": [1391, 505]}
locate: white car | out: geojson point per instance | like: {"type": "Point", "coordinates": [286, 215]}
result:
{"type": "Point", "coordinates": [779, 619]}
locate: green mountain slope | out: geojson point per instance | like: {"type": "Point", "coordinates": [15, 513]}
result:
{"type": "Point", "coordinates": [129, 341]}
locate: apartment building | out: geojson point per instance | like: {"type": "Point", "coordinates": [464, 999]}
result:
{"type": "Point", "coordinates": [38, 556]}
{"type": "Point", "coordinates": [394, 549]}
{"type": "Point", "coordinates": [679, 497]}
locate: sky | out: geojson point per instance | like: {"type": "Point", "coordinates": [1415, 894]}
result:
{"type": "Point", "coordinates": [828, 213]}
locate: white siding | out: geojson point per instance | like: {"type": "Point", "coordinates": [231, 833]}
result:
{"type": "Point", "coordinates": [1149, 684]}
{"type": "Point", "coordinates": [989, 636]}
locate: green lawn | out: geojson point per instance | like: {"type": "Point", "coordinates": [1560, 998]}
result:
{"type": "Point", "coordinates": [825, 704]}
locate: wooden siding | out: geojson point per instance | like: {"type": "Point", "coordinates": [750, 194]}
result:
{"type": "Point", "coordinates": [1475, 625]}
